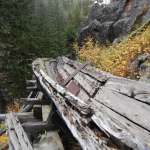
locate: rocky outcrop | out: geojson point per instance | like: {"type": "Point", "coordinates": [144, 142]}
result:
{"type": "Point", "coordinates": [108, 23]}
{"type": "Point", "coordinates": [141, 66]}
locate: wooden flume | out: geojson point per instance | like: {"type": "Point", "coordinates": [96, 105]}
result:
{"type": "Point", "coordinates": [91, 103]}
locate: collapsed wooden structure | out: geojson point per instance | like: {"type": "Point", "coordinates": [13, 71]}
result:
{"type": "Point", "coordinates": [102, 111]}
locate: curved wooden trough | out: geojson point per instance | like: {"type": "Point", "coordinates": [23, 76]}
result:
{"type": "Point", "coordinates": [96, 106]}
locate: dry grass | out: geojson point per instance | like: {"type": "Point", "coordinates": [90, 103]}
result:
{"type": "Point", "coordinates": [4, 137]}
{"type": "Point", "coordinates": [117, 57]}
{"type": "Point", "coordinates": [13, 107]}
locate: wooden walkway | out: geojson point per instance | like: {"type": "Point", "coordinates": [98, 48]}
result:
{"type": "Point", "coordinates": [96, 106]}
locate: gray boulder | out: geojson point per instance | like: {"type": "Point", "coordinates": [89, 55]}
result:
{"type": "Point", "coordinates": [106, 23]}
{"type": "Point", "coordinates": [141, 65]}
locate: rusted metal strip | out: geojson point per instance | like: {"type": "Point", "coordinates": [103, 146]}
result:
{"type": "Point", "coordinates": [76, 72]}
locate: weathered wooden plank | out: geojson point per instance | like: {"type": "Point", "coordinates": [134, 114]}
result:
{"type": "Point", "coordinates": [138, 90]}
{"type": "Point", "coordinates": [29, 99]}
{"type": "Point", "coordinates": [120, 129]}
{"type": "Point", "coordinates": [52, 71]}
{"type": "Point", "coordinates": [12, 135]}
{"type": "Point", "coordinates": [21, 135]}
{"type": "Point", "coordinates": [62, 72]}
{"type": "Point", "coordinates": [135, 111]}
{"type": "Point", "coordinates": [85, 136]}
{"type": "Point", "coordinates": [144, 97]}
{"type": "Point", "coordinates": [80, 105]}
{"type": "Point", "coordinates": [22, 116]}
{"type": "Point", "coordinates": [81, 94]}
{"type": "Point", "coordinates": [14, 140]}
{"type": "Point", "coordinates": [75, 73]}
{"type": "Point", "coordinates": [30, 88]}
{"type": "Point", "coordinates": [87, 83]}
{"type": "Point", "coordinates": [10, 146]}
{"type": "Point", "coordinates": [125, 86]}
{"type": "Point", "coordinates": [31, 81]}
{"type": "Point", "coordinates": [89, 70]}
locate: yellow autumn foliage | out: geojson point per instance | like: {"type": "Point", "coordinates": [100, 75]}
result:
{"type": "Point", "coordinates": [13, 107]}
{"type": "Point", "coordinates": [116, 58]}
{"type": "Point", "coordinates": [4, 137]}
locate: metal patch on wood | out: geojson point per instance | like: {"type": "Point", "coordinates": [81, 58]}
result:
{"type": "Point", "coordinates": [73, 88]}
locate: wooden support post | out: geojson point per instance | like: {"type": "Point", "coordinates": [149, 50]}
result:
{"type": "Point", "coordinates": [37, 112]}
{"type": "Point", "coordinates": [28, 107]}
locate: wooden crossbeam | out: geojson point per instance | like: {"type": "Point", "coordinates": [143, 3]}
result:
{"type": "Point", "coordinates": [19, 115]}
{"type": "Point", "coordinates": [38, 127]}
{"type": "Point", "coordinates": [31, 87]}
{"type": "Point", "coordinates": [27, 107]}
{"type": "Point", "coordinates": [31, 81]}
{"type": "Point", "coordinates": [76, 72]}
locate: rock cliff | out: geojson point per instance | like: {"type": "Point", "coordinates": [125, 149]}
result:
{"type": "Point", "coordinates": [111, 22]}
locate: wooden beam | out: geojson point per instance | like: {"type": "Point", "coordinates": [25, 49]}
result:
{"type": "Point", "coordinates": [18, 137]}
{"type": "Point", "coordinates": [36, 127]}
{"type": "Point", "coordinates": [85, 136]}
{"type": "Point", "coordinates": [120, 129]}
{"type": "Point", "coordinates": [84, 81]}
{"type": "Point", "coordinates": [37, 112]}
{"type": "Point", "coordinates": [23, 116]}
{"type": "Point", "coordinates": [31, 87]}
{"type": "Point", "coordinates": [131, 109]}
{"type": "Point", "coordinates": [31, 81]}
{"type": "Point", "coordinates": [75, 73]}
{"type": "Point", "coordinates": [79, 104]}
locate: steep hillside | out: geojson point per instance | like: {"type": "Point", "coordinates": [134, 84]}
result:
{"type": "Point", "coordinates": [129, 58]}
